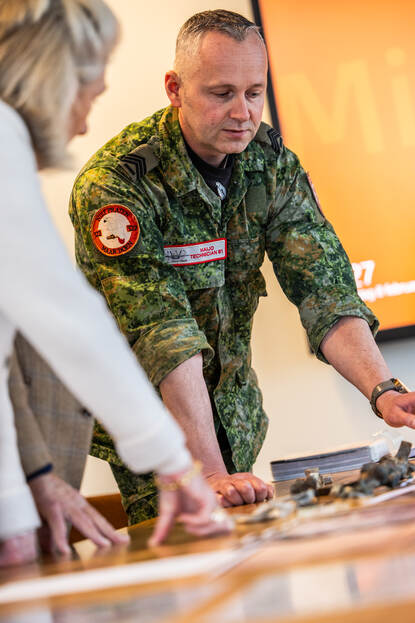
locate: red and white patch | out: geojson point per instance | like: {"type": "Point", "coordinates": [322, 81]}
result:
{"type": "Point", "coordinates": [197, 253]}
{"type": "Point", "coordinates": [115, 230]}
{"type": "Point", "coordinates": [313, 190]}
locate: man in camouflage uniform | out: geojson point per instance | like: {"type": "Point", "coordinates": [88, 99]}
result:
{"type": "Point", "coordinates": [172, 220]}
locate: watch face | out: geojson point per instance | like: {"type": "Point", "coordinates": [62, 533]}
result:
{"type": "Point", "coordinates": [400, 387]}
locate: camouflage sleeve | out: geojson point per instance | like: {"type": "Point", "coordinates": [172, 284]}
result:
{"type": "Point", "coordinates": [308, 258]}
{"type": "Point", "coordinates": [144, 293]}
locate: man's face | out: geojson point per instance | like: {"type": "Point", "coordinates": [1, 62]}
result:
{"type": "Point", "coordinates": [221, 95]}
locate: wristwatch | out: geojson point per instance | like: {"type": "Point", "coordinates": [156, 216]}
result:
{"type": "Point", "coordinates": [391, 384]}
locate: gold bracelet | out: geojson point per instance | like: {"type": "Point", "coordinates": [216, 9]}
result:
{"type": "Point", "coordinates": [180, 482]}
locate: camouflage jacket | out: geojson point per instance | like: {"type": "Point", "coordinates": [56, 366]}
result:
{"type": "Point", "coordinates": [170, 307]}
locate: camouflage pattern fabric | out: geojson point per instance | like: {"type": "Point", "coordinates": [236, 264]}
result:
{"type": "Point", "coordinates": [168, 313]}
{"type": "Point", "coordinates": [138, 494]}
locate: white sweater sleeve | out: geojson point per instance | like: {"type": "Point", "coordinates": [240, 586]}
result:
{"type": "Point", "coordinates": [68, 322]}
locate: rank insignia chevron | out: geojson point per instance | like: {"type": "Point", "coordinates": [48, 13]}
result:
{"type": "Point", "coordinates": [139, 162]}
{"type": "Point", "coordinates": [275, 140]}
{"type": "Point", "coordinates": [135, 165]}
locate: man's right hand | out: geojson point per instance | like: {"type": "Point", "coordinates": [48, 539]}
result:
{"type": "Point", "coordinates": [185, 394]}
{"type": "Point", "coordinates": [240, 488]}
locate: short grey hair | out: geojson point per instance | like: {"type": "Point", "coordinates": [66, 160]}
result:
{"type": "Point", "coordinates": [227, 22]}
{"type": "Point", "coordinates": [48, 50]}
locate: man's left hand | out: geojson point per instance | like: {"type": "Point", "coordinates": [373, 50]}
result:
{"type": "Point", "coordinates": [397, 409]}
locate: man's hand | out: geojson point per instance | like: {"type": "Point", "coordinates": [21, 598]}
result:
{"type": "Point", "coordinates": [239, 488]}
{"type": "Point", "coordinates": [185, 394]}
{"type": "Point", "coordinates": [56, 502]}
{"type": "Point", "coordinates": [18, 550]}
{"type": "Point", "coordinates": [397, 409]}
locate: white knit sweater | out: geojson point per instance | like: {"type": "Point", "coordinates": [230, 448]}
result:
{"type": "Point", "coordinates": [50, 302]}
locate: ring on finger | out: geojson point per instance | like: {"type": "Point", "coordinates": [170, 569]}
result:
{"type": "Point", "coordinates": [219, 515]}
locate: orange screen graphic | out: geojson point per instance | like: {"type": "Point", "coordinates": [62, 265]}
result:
{"type": "Point", "coordinates": [344, 83]}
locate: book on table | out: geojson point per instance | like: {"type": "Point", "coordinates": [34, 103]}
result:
{"type": "Point", "coordinates": [331, 460]}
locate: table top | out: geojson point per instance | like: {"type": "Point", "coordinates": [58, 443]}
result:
{"type": "Point", "coordinates": [357, 566]}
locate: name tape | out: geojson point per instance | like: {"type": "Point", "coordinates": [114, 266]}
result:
{"type": "Point", "coordinates": [197, 253]}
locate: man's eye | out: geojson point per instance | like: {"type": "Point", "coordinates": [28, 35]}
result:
{"type": "Point", "coordinates": [222, 94]}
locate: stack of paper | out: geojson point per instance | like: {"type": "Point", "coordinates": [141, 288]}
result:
{"type": "Point", "coordinates": [340, 459]}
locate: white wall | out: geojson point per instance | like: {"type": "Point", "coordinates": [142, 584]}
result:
{"type": "Point", "coordinates": [309, 405]}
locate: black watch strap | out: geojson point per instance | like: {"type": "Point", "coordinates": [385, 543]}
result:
{"type": "Point", "coordinates": [391, 384]}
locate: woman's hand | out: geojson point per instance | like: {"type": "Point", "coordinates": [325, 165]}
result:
{"type": "Point", "coordinates": [19, 549]}
{"type": "Point", "coordinates": [57, 502]}
{"type": "Point", "coordinates": [187, 497]}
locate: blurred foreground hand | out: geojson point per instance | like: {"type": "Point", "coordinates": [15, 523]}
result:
{"type": "Point", "coordinates": [187, 497]}
{"type": "Point", "coordinates": [19, 549]}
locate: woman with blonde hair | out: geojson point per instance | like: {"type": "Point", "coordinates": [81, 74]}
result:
{"type": "Point", "coordinates": [52, 60]}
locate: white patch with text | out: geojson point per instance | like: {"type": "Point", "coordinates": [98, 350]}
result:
{"type": "Point", "coordinates": [196, 253]}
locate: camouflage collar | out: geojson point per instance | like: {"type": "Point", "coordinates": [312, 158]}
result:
{"type": "Point", "coordinates": [178, 170]}
{"type": "Point", "coordinates": [253, 157]}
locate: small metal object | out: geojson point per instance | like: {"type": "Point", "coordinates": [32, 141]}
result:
{"type": "Point", "coordinates": [219, 515]}
{"type": "Point", "coordinates": [305, 498]}
{"type": "Point", "coordinates": [390, 471]}
{"type": "Point", "coordinates": [313, 480]}
{"type": "Point", "coordinates": [274, 509]}
{"type": "Point", "coordinates": [281, 508]}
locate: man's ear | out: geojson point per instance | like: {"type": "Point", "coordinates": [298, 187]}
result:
{"type": "Point", "coordinates": [172, 85]}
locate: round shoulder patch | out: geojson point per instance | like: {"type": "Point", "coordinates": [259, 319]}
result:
{"type": "Point", "coordinates": [115, 230]}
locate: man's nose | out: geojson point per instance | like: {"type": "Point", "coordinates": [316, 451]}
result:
{"type": "Point", "coordinates": [240, 109]}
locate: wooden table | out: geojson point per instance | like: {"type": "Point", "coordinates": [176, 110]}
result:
{"type": "Point", "coordinates": [357, 572]}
